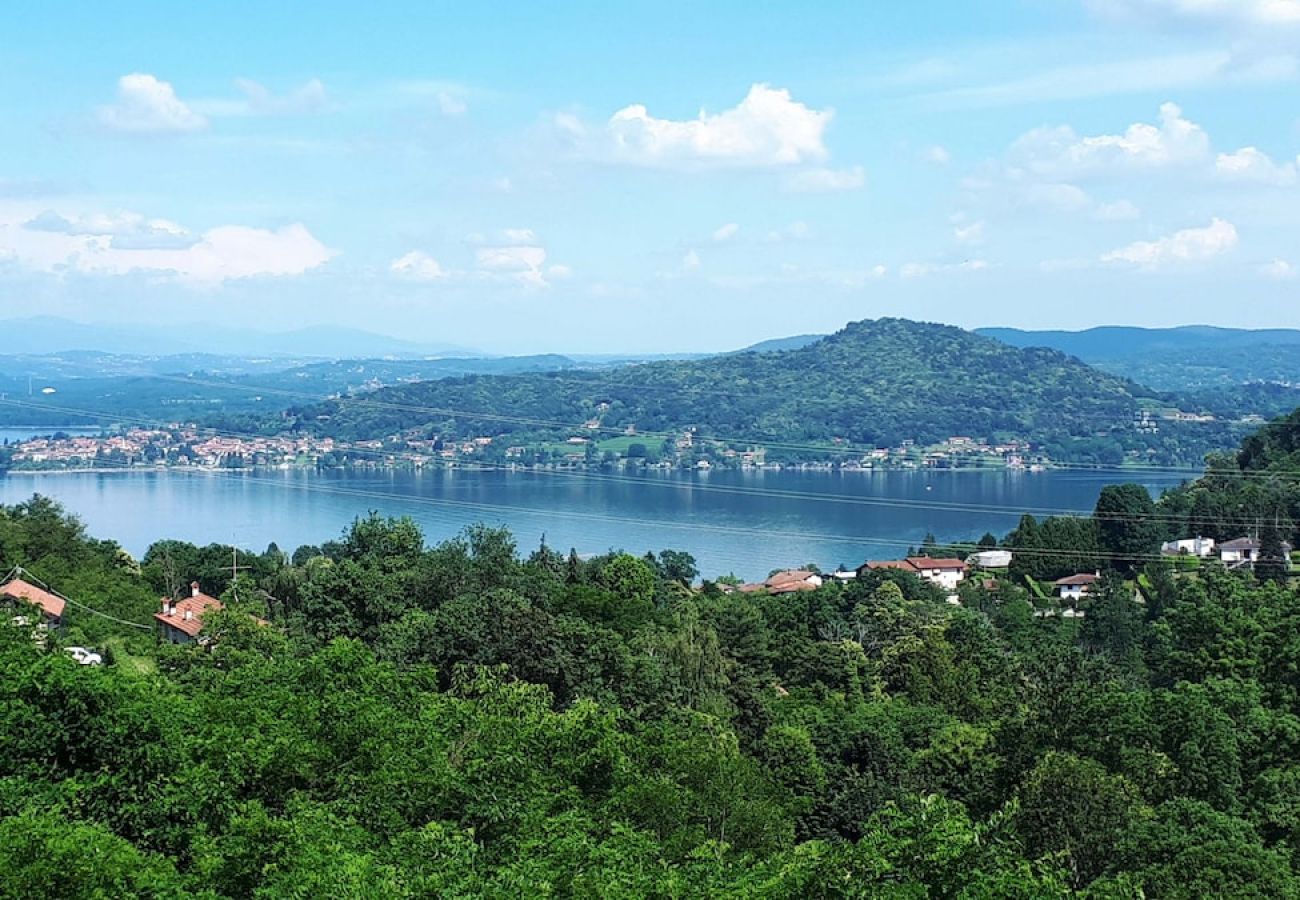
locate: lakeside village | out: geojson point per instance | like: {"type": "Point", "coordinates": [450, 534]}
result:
{"type": "Point", "coordinates": [187, 446]}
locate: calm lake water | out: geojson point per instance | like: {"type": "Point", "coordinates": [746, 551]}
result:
{"type": "Point", "coordinates": [743, 522]}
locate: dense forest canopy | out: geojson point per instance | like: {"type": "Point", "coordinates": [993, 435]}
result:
{"type": "Point", "coordinates": [468, 720]}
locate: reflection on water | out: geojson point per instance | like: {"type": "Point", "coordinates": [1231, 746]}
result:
{"type": "Point", "coordinates": [742, 522]}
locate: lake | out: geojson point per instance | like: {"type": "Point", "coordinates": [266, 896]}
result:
{"type": "Point", "coordinates": [746, 523]}
{"type": "Point", "coordinates": [20, 433]}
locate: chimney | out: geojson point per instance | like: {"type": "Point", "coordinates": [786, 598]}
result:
{"type": "Point", "coordinates": [166, 606]}
{"type": "Point", "coordinates": [189, 614]}
{"type": "Point", "coordinates": [194, 588]}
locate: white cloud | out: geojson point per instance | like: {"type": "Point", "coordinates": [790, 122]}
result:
{"type": "Point", "coordinates": [795, 231]}
{"type": "Point", "coordinates": [418, 266]}
{"type": "Point", "coordinates": [128, 230]}
{"type": "Point", "coordinates": [1118, 211]}
{"type": "Point", "coordinates": [125, 243]}
{"type": "Point", "coordinates": [558, 272]}
{"type": "Point", "coordinates": [1059, 196]}
{"type": "Point", "coordinates": [1140, 75]}
{"type": "Point", "coordinates": [310, 97]}
{"type": "Point", "coordinates": [1279, 270]}
{"type": "Point", "coordinates": [972, 233]}
{"type": "Point", "coordinates": [1061, 151]}
{"type": "Point", "coordinates": [1251, 164]}
{"type": "Point", "coordinates": [450, 103]}
{"type": "Point", "coordinates": [522, 258]}
{"type": "Point", "coordinates": [691, 261]}
{"type": "Point", "coordinates": [812, 181]}
{"type": "Point", "coordinates": [725, 232]}
{"type": "Point", "coordinates": [1188, 245]}
{"type": "Point", "coordinates": [937, 155]}
{"type": "Point", "coordinates": [915, 270]}
{"type": "Point", "coordinates": [147, 105]}
{"type": "Point", "coordinates": [767, 128]}
{"type": "Point", "coordinates": [1241, 12]}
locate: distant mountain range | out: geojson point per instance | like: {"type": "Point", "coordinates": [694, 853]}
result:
{"type": "Point", "coordinates": [1189, 357]}
{"type": "Point", "coordinates": [50, 334]}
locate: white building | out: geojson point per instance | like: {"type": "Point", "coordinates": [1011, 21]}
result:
{"type": "Point", "coordinates": [990, 559]}
{"type": "Point", "coordinates": [1239, 552]}
{"type": "Point", "coordinates": [1197, 546]}
{"type": "Point", "coordinates": [1075, 587]}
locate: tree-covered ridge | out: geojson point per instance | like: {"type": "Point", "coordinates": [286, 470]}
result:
{"type": "Point", "coordinates": [464, 720]}
{"type": "Point", "coordinates": [874, 383]}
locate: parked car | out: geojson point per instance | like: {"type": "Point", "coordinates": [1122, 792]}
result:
{"type": "Point", "coordinates": [84, 656]}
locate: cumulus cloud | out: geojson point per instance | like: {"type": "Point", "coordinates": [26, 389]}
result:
{"type": "Point", "coordinates": [146, 105]}
{"type": "Point", "coordinates": [1188, 245]}
{"type": "Point", "coordinates": [418, 266]}
{"type": "Point", "coordinates": [1059, 150]}
{"type": "Point", "coordinates": [1279, 270]}
{"type": "Point", "coordinates": [512, 255]}
{"type": "Point", "coordinates": [812, 181]}
{"type": "Point", "coordinates": [767, 128]}
{"type": "Point", "coordinates": [725, 232]}
{"type": "Point", "coordinates": [127, 229]}
{"type": "Point", "coordinates": [124, 243]}
{"type": "Point", "coordinates": [1252, 164]}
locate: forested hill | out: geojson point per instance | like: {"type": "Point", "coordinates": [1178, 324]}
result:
{"type": "Point", "coordinates": [873, 383]}
{"type": "Point", "coordinates": [1190, 357]}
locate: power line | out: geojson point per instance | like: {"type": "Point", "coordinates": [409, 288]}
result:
{"type": "Point", "coordinates": [20, 571]}
{"type": "Point", "coordinates": [604, 517]}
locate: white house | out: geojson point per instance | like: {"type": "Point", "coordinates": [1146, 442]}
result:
{"type": "Point", "coordinates": [1239, 552]}
{"type": "Point", "coordinates": [1075, 587]}
{"type": "Point", "coordinates": [1197, 546]}
{"type": "Point", "coordinates": [990, 559]}
{"type": "Point", "coordinates": [947, 573]}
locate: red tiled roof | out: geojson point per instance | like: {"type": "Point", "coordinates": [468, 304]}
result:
{"type": "Point", "coordinates": [927, 562]}
{"type": "Point", "coordinates": [195, 606]}
{"type": "Point", "coordinates": [1073, 580]}
{"type": "Point", "coordinates": [793, 576]}
{"type": "Point", "coordinates": [891, 564]}
{"type": "Point", "coordinates": [21, 590]}
{"type": "Point", "coordinates": [789, 587]}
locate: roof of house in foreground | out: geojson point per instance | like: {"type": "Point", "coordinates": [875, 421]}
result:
{"type": "Point", "coordinates": [30, 593]}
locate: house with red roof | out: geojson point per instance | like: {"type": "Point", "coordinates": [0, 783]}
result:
{"type": "Point", "coordinates": [181, 621]}
{"type": "Point", "coordinates": [793, 580]}
{"type": "Point", "coordinates": [946, 573]}
{"type": "Point", "coordinates": [16, 590]}
{"type": "Point", "coordinates": [1075, 587]}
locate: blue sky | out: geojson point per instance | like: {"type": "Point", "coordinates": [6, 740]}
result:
{"type": "Point", "coordinates": [651, 176]}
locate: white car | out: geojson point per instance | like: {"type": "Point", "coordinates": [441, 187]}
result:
{"type": "Point", "coordinates": [84, 656]}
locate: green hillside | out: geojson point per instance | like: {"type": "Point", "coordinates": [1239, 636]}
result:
{"type": "Point", "coordinates": [874, 383]}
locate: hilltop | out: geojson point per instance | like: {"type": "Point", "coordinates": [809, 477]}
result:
{"type": "Point", "coordinates": [873, 383]}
